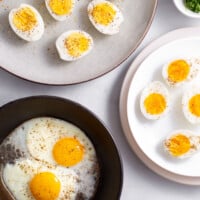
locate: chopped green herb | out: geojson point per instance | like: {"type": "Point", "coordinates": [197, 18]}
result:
{"type": "Point", "coordinates": [193, 5]}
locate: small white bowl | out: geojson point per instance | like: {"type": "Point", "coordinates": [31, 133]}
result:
{"type": "Point", "coordinates": [184, 10]}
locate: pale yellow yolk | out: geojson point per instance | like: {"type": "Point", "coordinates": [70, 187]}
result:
{"type": "Point", "coordinates": [61, 7]}
{"type": "Point", "coordinates": [45, 186]}
{"type": "Point", "coordinates": [178, 71]}
{"type": "Point", "coordinates": [77, 44]}
{"type": "Point", "coordinates": [155, 103]}
{"type": "Point", "coordinates": [103, 13]}
{"type": "Point", "coordinates": [178, 145]}
{"type": "Point", "coordinates": [68, 152]}
{"type": "Point", "coordinates": [25, 19]}
{"type": "Point", "coordinates": [194, 105]}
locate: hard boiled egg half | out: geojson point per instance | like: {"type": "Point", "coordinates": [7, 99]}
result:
{"type": "Point", "coordinates": [154, 100]}
{"type": "Point", "coordinates": [191, 105]}
{"type": "Point", "coordinates": [26, 22]}
{"type": "Point", "coordinates": [182, 143]}
{"type": "Point", "coordinates": [181, 70]}
{"type": "Point", "coordinates": [105, 16]}
{"type": "Point", "coordinates": [60, 9]}
{"type": "Point", "coordinates": [73, 45]}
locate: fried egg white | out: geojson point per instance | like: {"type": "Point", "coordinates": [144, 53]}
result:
{"type": "Point", "coordinates": [182, 143]}
{"type": "Point", "coordinates": [191, 105]}
{"type": "Point", "coordinates": [26, 22]}
{"type": "Point", "coordinates": [31, 180]}
{"type": "Point", "coordinates": [73, 45]}
{"type": "Point", "coordinates": [105, 16]}
{"type": "Point", "coordinates": [178, 71]}
{"type": "Point", "coordinates": [60, 10]}
{"type": "Point", "coordinates": [154, 100]}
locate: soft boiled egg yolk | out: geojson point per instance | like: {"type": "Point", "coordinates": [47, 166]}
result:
{"type": "Point", "coordinates": [45, 186]}
{"type": "Point", "coordinates": [155, 103]}
{"type": "Point", "coordinates": [25, 19]}
{"type": "Point", "coordinates": [178, 71]}
{"type": "Point", "coordinates": [194, 105]}
{"type": "Point", "coordinates": [178, 145]}
{"type": "Point", "coordinates": [103, 13]}
{"type": "Point", "coordinates": [77, 44]}
{"type": "Point", "coordinates": [68, 152]}
{"type": "Point", "coordinates": [61, 7]}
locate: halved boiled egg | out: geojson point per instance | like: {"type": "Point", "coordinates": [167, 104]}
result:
{"type": "Point", "coordinates": [26, 22]}
{"type": "Point", "coordinates": [182, 143]}
{"type": "Point", "coordinates": [154, 101]}
{"type": "Point", "coordinates": [105, 16]}
{"type": "Point", "coordinates": [191, 105]}
{"type": "Point", "coordinates": [60, 9]}
{"type": "Point", "coordinates": [73, 45]}
{"type": "Point", "coordinates": [180, 70]}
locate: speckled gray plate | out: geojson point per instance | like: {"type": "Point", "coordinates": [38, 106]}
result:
{"type": "Point", "coordinates": [39, 61]}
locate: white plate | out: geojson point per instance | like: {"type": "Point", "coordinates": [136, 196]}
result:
{"type": "Point", "coordinates": [146, 137]}
{"type": "Point", "coordinates": [39, 61]}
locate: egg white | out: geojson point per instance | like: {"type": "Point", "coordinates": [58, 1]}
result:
{"type": "Point", "coordinates": [194, 141]}
{"type": "Point", "coordinates": [193, 119]}
{"type": "Point", "coordinates": [62, 50]}
{"type": "Point", "coordinates": [17, 177]}
{"type": "Point", "coordinates": [154, 87]}
{"type": "Point", "coordinates": [114, 26]}
{"type": "Point", "coordinates": [33, 35]}
{"type": "Point", "coordinates": [59, 17]}
{"type": "Point", "coordinates": [194, 64]}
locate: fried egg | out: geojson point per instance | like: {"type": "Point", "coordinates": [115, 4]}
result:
{"type": "Point", "coordinates": [31, 180]}
{"type": "Point", "coordinates": [105, 16]}
{"type": "Point", "coordinates": [60, 10]}
{"type": "Point", "coordinates": [179, 71]}
{"type": "Point", "coordinates": [49, 145]}
{"type": "Point", "coordinates": [191, 105]}
{"type": "Point", "coordinates": [73, 45]}
{"type": "Point", "coordinates": [182, 143]}
{"type": "Point", "coordinates": [154, 100]}
{"type": "Point", "coordinates": [26, 22]}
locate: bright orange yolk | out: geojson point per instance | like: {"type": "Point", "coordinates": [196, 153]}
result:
{"type": "Point", "coordinates": [25, 19]}
{"type": "Point", "coordinates": [68, 152]}
{"type": "Point", "coordinates": [103, 13]}
{"type": "Point", "coordinates": [178, 71]}
{"type": "Point", "coordinates": [194, 105]}
{"type": "Point", "coordinates": [76, 44]}
{"type": "Point", "coordinates": [178, 145]}
{"type": "Point", "coordinates": [45, 186]}
{"type": "Point", "coordinates": [61, 7]}
{"type": "Point", "coordinates": [155, 104]}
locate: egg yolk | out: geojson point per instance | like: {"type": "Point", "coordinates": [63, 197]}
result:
{"type": "Point", "coordinates": [178, 145]}
{"type": "Point", "coordinates": [155, 104]}
{"type": "Point", "coordinates": [45, 186]}
{"type": "Point", "coordinates": [61, 7]}
{"type": "Point", "coordinates": [76, 44]}
{"type": "Point", "coordinates": [25, 19]}
{"type": "Point", "coordinates": [103, 13]}
{"type": "Point", "coordinates": [178, 71]}
{"type": "Point", "coordinates": [68, 152]}
{"type": "Point", "coordinates": [194, 105]}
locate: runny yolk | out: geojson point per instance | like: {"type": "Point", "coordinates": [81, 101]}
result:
{"type": "Point", "coordinates": [178, 145]}
{"type": "Point", "coordinates": [103, 13]}
{"type": "Point", "coordinates": [45, 186]}
{"type": "Point", "coordinates": [194, 105]}
{"type": "Point", "coordinates": [77, 44]}
{"type": "Point", "coordinates": [61, 7]}
{"type": "Point", "coordinates": [25, 19]}
{"type": "Point", "coordinates": [155, 103]}
{"type": "Point", "coordinates": [178, 71]}
{"type": "Point", "coordinates": [68, 152]}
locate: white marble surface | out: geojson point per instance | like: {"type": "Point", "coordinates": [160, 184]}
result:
{"type": "Point", "coordinates": [102, 97]}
